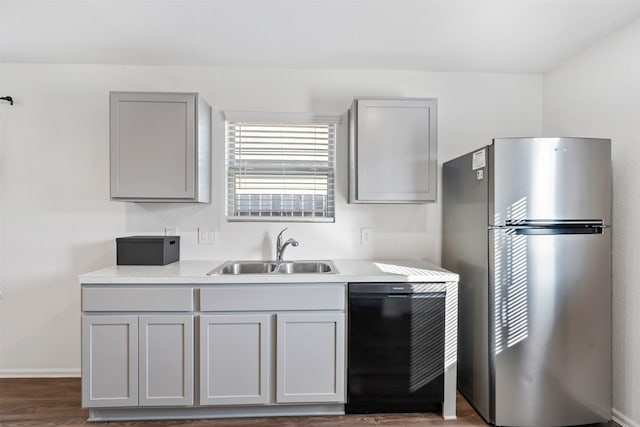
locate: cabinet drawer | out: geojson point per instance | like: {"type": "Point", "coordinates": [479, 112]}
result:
{"type": "Point", "coordinates": [137, 299]}
{"type": "Point", "coordinates": [273, 297]}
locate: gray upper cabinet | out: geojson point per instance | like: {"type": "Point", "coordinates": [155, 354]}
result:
{"type": "Point", "coordinates": [392, 150]}
{"type": "Point", "coordinates": [160, 147]}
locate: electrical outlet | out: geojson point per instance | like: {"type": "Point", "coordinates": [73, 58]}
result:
{"type": "Point", "coordinates": [171, 231]}
{"type": "Point", "coordinates": [206, 236]}
{"type": "Point", "coordinates": [366, 235]}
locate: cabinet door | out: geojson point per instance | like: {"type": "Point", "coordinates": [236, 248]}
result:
{"type": "Point", "coordinates": [153, 145]}
{"type": "Point", "coordinates": [393, 150]}
{"type": "Point", "coordinates": [234, 359]}
{"type": "Point", "coordinates": [310, 357]}
{"type": "Point", "coordinates": [166, 360]}
{"type": "Point", "coordinates": [109, 361]}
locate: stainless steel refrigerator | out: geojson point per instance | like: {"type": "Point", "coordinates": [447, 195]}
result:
{"type": "Point", "coordinates": [526, 224]}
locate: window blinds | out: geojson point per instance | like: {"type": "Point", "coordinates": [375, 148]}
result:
{"type": "Point", "coordinates": [280, 171]}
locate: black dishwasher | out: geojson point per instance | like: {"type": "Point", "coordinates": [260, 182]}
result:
{"type": "Point", "coordinates": [396, 348]}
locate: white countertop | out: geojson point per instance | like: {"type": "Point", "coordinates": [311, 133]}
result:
{"type": "Point", "coordinates": [195, 272]}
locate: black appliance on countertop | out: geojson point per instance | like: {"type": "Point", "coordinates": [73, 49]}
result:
{"type": "Point", "coordinates": [396, 348]}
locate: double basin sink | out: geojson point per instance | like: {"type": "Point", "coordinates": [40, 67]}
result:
{"type": "Point", "coordinates": [275, 267]}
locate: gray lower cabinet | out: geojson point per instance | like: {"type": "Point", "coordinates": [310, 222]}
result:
{"type": "Point", "coordinates": [287, 339]}
{"type": "Point", "coordinates": [109, 361]}
{"type": "Point", "coordinates": [130, 360]}
{"type": "Point", "coordinates": [165, 368]}
{"type": "Point", "coordinates": [238, 363]}
{"type": "Point", "coordinates": [234, 359]}
{"type": "Point", "coordinates": [310, 357]}
{"type": "Point", "coordinates": [160, 147]}
{"type": "Point", "coordinates": [258, 346]}
{"type": "Point", "coordinates": [137, 346]}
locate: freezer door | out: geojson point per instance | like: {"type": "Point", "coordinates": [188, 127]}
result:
{"type": "Point", "coordinates": [550, 305]}
{"type": "Point", "coordinates": [551, 178]}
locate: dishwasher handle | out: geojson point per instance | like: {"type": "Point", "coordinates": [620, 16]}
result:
{"type": "Point", "coordinates": [395, 288]}
{"type": "Point", "coordinates": [380, 288]}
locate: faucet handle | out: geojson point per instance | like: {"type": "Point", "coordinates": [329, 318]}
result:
{"type": "Point", "coordinates": [279, 239]}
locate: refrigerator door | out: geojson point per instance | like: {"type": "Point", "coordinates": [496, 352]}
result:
{"type": "Point", "coordinates": [551, 178]}
{"type": "Point", "coordinates": [550, 305]}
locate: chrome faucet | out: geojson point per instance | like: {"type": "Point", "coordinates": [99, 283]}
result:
{"type": "Point", "coordinates": [280, 247]}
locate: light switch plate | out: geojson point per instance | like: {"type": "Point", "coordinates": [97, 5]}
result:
{"type": "Point", "coordinates": [206, 236]}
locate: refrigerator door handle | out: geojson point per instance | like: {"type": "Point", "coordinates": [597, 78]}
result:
{"type": "Point", "coordinates": [557, 230]}
{"type": "Point", "coordinates": [551, 227]}
{"type": "Point", "coordinates": [553, 223]}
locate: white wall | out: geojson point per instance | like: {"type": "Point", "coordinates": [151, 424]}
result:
{"type": "Point", "coordinates": [58, 222]}
{"type": "Point", "coordinates": [598, 94]}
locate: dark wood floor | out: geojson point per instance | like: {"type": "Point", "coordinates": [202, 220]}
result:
{"type": "Point", "coordinates": [56, 402]}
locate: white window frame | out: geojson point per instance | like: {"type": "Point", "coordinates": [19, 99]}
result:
{"type": "Point", "coordinates": [283, 181]}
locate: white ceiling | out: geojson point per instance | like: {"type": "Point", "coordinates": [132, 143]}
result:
{"type": "Point", "coordinates": [437, 35]}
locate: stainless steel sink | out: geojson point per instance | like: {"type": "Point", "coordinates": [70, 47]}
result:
{"type": "Point", "coordinates": [305, 267]}
{"type": "Point", "coordinates": [275, 267]}
{"type": "Point", "coordinates": [245, 267]}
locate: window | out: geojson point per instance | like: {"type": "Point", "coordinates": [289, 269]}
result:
{"type": "Point", "coordinates": [280, 168]}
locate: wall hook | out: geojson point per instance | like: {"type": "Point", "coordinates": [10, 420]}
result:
{"type": "Point", "coordinates": [7, 98]}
